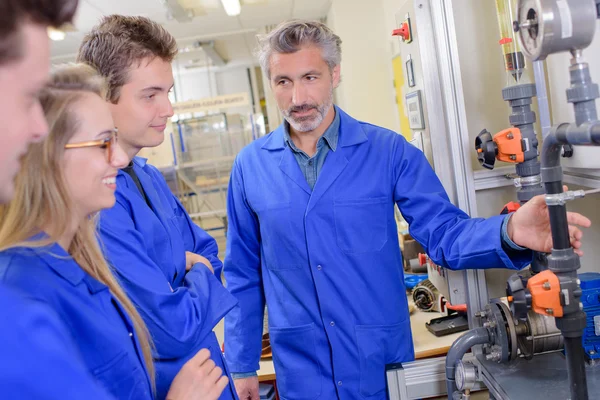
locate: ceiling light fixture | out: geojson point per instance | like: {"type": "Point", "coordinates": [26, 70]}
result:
{"type": "Point", "coordinates": [56, 34]}
{"type": "Point", "coordinates": [232, 7]}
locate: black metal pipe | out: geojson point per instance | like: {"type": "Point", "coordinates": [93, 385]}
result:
{"type": "Point", "coordinates": [563, 262]}
{"type": "Point", "coordinates": [554, 187]}
{"type": "Point", "coordinates": [576, 368]}
{"type": "Point", "coordinates": [559, 227]}
{"type": "Point", "coordinates": [558, 219]}
{"type": "Point", "coordinates": [458, 350]}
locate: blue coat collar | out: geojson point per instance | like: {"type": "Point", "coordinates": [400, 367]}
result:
{"type": "Point", "coordinates": [63, 264]}
{"type": "Point", "coordinates": [140, 161]}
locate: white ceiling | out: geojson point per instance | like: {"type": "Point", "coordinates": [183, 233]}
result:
{"type": "Point", "coordinates": [235, 37]}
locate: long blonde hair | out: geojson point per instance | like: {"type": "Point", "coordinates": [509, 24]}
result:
{"type": "Point", "coordinates": [42, 197]}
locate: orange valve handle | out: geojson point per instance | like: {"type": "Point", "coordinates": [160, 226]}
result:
{"type": "Point", "coordinates": [510, 147]}
{"type": "Point", "coordinates": [510, 207]}
{"type": "Point", "coordinates": [545, 294]}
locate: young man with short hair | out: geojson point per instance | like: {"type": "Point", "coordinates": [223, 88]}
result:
{"type": "Point", "coordinates": [163, 260]}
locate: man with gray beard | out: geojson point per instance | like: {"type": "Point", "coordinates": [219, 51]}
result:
{"type": "Point", "coordinates": [312, 233]}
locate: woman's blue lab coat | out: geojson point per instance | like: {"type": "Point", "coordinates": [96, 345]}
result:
{"type": "Point", "coordinates": [39, 359]}
{"type": "Point", "coordinates": [146, 247]}
{"type": "Point", "coordinates": [328, 261]}
{"type": "Point", "coordinates": [97, 323]}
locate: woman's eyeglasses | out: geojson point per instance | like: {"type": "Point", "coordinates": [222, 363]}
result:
{"type": "Point", "coordinates": [108, 143]}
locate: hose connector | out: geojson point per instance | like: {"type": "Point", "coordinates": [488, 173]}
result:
{"type": "Point", "coordinates": [560, 199]}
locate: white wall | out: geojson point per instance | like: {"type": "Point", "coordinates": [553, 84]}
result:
{"type": "Point", "coordinates": [366, 91]}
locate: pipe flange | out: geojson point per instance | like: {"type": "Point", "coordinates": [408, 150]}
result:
{"type": "Point", "coordinates": [512, 331]}
{"type": "Point", "coordinates": [519, 92]}
{"type": "Point", "coordinates": [502, 326]}
{"type": "Point", "coordinates": [577, 94]}
{"type": "Point", "coordinates": [522, 118]}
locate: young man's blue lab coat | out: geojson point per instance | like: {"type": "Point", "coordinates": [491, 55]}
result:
{"type": "Point", "coordinates": [146, 245]}
{"type": "Point", "coordinates": [327, 261]}
{"type": "Point", "coordinates": [39, 359]}
{"type": "Point", "coordinates": [96, 322]}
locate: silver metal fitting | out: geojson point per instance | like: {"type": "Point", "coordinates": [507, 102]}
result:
{"type": "Point", "coordinates": [489, 324]}
{"type": "Point", "coordinates": [493, 356]}
{"type": "Point", "coordinates": [559, 199]}
{"type": "Point", "coordinates": [534, 180]}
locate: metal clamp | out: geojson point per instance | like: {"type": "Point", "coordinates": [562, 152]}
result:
{"type": "Point", "coordinates": [534, 180]}
{"type": "Point", "coordinates": [559, 199]}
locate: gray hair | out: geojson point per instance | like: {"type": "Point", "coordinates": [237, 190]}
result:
{"type": "Point", "coordinates": [289, 36]}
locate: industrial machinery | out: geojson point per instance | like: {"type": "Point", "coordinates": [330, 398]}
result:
{"type": "Point", "coordinates": [541, 337]}
{"type": "Point", "coordinates": [546, 316]}
{"type": "Point", "coordinates": [427, 298]}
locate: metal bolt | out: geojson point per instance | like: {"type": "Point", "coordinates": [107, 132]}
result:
{"type": "Point", "coordinates": [549, 311]}
{"type": "Point", "coordinates": [493, 356]}
{"type": "Point", "coordinates": [510, 136]}
{"type": "Point", "coordinates": [513, 157]}
{"type": "Point", "coordinates": [592, 352]}
{"type": "Point", "coordinates": [489, 324]}
{"type": "Point", "coordinates": [529, 24]}
{"type": "Point", "coordinates": [547, 285]}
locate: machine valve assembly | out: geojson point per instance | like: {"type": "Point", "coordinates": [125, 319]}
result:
{"type": "Point", "coordinates": [546, 294]}
{"type": "Point", "coordinates": [506, 145]}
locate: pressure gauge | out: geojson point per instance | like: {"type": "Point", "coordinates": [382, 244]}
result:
{"type": "Point", "coordinates": [552, 26]}
{"type": "Point", "coordinates": [465, 375]}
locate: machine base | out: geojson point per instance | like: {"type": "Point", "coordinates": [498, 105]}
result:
{"type": "Point", "coordinates": [543, 377]}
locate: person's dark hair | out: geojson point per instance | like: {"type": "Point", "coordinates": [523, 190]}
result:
{"type": "Point", "coordinates": [119, 43]}
{"type": "Point", "coordinates": [14, 13]}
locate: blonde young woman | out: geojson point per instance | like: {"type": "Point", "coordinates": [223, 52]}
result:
{"type": "Point", "coordinates": [49, 248]}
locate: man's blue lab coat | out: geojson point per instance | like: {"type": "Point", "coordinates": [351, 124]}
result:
{"type": "Point", "coordinates": [328, 263]}
{"type": "Point", "coordinates": [146, 246]}
{"type": "Point", "coordinates": [96, 322]}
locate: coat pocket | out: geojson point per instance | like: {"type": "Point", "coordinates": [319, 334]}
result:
{"type": "Point", "coordinates": [296, 363]}
{"type": "Point", "coordinates": [379, 345]}
{"type": "Point", "coordinates": [361, 224]}
{"type": "Point", "coordinates": [123, 379]}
